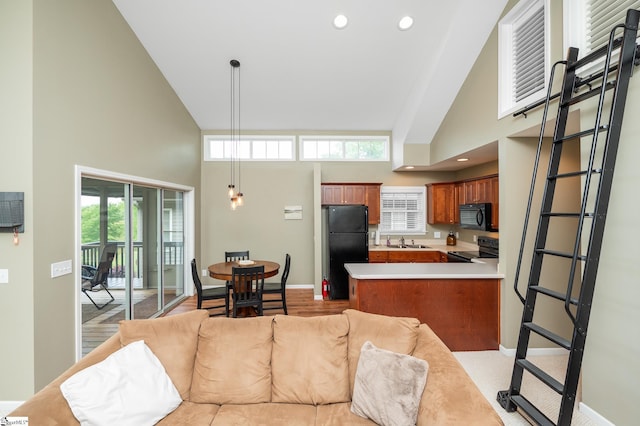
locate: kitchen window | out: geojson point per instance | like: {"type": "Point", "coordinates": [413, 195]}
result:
{"type": "Point", "coordinates": [523, 55]}
{"type": "Point", "coordinates": [249, 147]}
{"type": "Point", "coordinates": [402, 210]}
{"type": "Point", "coordinates": [588, 23]}
{"type": "Point", "coordinates": [344, 148]}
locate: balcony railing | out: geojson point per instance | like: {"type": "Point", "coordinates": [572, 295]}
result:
{"type": "Point", "coordinates": [173, 255]}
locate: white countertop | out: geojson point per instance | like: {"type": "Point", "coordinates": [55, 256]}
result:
{"type": "Point", "coordinates": [477, 269]}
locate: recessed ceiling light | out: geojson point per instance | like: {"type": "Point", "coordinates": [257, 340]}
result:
{"type": "Point", "coordinates": [462, 159]}
{"type": "Point", "coordinates": [405, 23]}
{"type": "Point", "coordinates": [340, 22]}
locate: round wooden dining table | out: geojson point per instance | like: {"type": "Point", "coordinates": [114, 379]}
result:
{"type": "Point", "coordinates": [223, 270]}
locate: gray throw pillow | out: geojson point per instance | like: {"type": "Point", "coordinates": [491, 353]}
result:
{"type": "Point", "coordinates": [388, 386]}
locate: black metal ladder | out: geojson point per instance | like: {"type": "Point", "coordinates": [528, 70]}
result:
{"type": "Point", "coordinates": [580, 257]}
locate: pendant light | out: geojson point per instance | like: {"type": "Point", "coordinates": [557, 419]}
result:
{"type": "Point", "coordinates": [236, 197]}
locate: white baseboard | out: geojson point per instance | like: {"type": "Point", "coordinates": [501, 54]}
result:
{"type": "Point", "coordinates": [305, 287]}
{"type": "Point", "coordinates": [534, 351]}
{"type": "Point", "coordinates": [597, 418]}
{"type": "Point", "coordinates": [8, 406]}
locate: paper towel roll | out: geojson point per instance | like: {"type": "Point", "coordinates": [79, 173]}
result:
{"type": "Point", "coordinates": [377, 237]}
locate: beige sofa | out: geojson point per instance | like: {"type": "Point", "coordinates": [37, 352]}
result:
{"type": "Point", "coordinates": [278, 370]}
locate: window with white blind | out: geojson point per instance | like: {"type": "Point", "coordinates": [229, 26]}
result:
{"type": "Point", "coordinates": [588, 23]}
{"type": "Point", "coordinates": [402, 210]}
{"type": "Point", "coordinates": [523, 55]}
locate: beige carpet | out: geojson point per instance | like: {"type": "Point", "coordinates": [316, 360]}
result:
{"type": "Point", "coordinates": [491, 371]}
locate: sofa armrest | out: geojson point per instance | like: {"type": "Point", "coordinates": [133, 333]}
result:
{"type": "Point", "coordinates": [450, 396]}
{"type": "Point", "coordinates": [48, 406]}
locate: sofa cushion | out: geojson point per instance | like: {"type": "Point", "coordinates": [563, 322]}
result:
{"type": "Point", "coordinates": [394, 334]}
{"type": "Point", "coordinates": [233, 361]}
{"type": "Point", "coordinates": [339, 415]}
{"type": "Point", "coordinates": [129, 387]}
{"type": "Point", "coordinates": [191, 414]}
{"type": "Point", "coordinates": [388, 386]}
{"type": "Point", "coordinates": [172, 339]}
{"type": "Point", "coordinates": [309, 361]}
{"type": "Point", "coordinates": [266, 415]}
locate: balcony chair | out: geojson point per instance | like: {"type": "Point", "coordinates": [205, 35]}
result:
{"type": "Point", "coordinates": [277, 288]}
{"type": "Point", "coordinates": [213, 293]}
{"type": "Point", "coordinates": [95, 278]}
{"type": "Point", "coordinates": [248, 283]}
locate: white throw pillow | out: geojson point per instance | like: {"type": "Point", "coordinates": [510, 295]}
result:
{"type": "Point", "coordinates": [388, 386]}
{"type": "Point", "coordinates": [130, 387]}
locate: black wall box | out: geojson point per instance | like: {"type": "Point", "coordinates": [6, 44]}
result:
{"type": "Point", "coordinates": [11, 211]}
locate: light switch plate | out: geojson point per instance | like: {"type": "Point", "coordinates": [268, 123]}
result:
{"type": "Point", "coordinates": [436, 234]}
{"type": "Point", "coordinates": [59, 269]}
{"type": "Point", "coordinates": [4, 276]}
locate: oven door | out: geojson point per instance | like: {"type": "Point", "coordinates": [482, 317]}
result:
{"type": "Point", "coordinates": [456, 258]}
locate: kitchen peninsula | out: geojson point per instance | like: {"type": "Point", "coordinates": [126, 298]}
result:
{"type": "Point", "coordinates": [459, 301]}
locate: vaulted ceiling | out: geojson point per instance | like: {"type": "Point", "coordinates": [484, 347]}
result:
{"type": "Point", "coordinates": [298, 72]}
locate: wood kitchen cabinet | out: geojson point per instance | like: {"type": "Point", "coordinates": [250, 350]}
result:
{"type": "Point", "coordinates": [404, 256]}
{"type": "Point", "coordinates": [441, 203]}
{"type": "Point", "coordinates": [484, 190]}
{"type": "Point", "coordinates": [378, 256]}
{"type": "Point", "coordinates": [354, 193]}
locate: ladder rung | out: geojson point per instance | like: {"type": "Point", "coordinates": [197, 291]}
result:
{"type": "Point", "coordinates": [560, 254]}
{"type": "Point", "coordinates": [588, 94]}
{"type": "Point", "coordinates": [531, 410]}
{"type": "Point", "coordinates": [542, 375]}
{"type": "Point", "coordinates": [574, 174]}
{"type": "Point", "coordinates": [582, 133]}
{"type": "Point", "coordinates": [549, 335]}
{"type": "Point", "coordinates": [566, 214]}
{"type": "Point", "coordinates": [553, 293]}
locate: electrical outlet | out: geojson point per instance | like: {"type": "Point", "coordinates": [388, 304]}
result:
{"type": "Point", "coordinates": [436, 234]}
{"type": "Point", "coordinates": [475, 238]}
{"type": "Point", "coordinates": [4, 276]}
{"type": "Point", "coordinates": [205, 272]}
{"type": "Point", "coordinates": [457, 235]}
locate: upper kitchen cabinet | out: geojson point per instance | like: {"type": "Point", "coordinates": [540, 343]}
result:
{"type": "Point", "coordinates": [443, 199]}
{"type": "Point", "coordinates": [441, 203]}
{"type": "Point", "coordinates": [354, 193]}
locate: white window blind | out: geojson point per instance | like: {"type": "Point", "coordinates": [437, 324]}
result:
{"type": "Point", "coordinates": [528, 58]}
{"type": "Point", "coordinates": [523, 55]}
{"type": "Point", "coordinates": [402, 210]}
{"type": "Point", "coordinates": [601, 17]}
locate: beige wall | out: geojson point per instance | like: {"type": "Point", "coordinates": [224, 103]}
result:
{"type": "Point", "coordinates": [259, 225]}
{"type": "Point", "coordinates": [610, 368]}
{"type": "Point", "coordinates": [16, 175]}
{"type": "Point", "coordinates": [98, 101]}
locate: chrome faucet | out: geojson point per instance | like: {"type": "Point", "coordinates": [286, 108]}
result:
{"type": "Point", "coordinates": [401, 241]}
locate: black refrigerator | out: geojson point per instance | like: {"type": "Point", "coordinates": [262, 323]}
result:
{"type": "Point", "coordinates": [347, 241]}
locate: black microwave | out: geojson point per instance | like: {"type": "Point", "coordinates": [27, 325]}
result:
{"type": "Point", "coordinates": [475, 216]}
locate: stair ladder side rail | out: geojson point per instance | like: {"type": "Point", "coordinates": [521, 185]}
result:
{"type": "Point", "coordinates": [626, 62]}
{"type": "Point", "coordinates": [511, 399]}
{"type": "Point", "coordinates": [536, 162]}
{"type": "Point", "coordinates": [568, 86]}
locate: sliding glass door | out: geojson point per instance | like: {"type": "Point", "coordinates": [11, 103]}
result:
{"type": "Point", "coordinates": [144, 226]}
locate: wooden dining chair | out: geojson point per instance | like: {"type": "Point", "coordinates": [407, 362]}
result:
{"type": "Point", "coordinates": [213, 293]}
{"type": "Point", "coordinates": [278, 288]}
{"type": "Point", "coordinates": [248, 283]}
